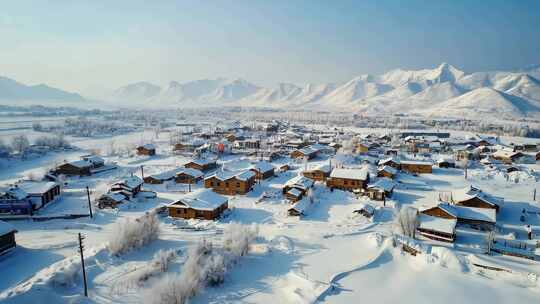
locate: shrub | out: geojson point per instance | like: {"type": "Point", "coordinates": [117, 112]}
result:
{"type": "Point", "coordinates": [134, 233]}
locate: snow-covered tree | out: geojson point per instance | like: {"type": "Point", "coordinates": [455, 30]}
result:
{"type": "Point", "coordinates": [20, 144]}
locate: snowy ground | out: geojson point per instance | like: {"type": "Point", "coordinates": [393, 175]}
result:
{"type": "Point", "coordinates": [330, 255]}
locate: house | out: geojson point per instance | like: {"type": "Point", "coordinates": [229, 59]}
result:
{"type": "Point", "coordinates": [202, 204]}
{"type": "Point", "coordinates": [299, 207]}
{"type": "Point", "coordinates": [15, 201]}
{"type": "Point", "coordinates": [446, 163]}
{"type": "Point", "coordinates": [146, 149]}
{"type": "Point", "coordinates": [201, 164]}
{"type": "Point", "coordinates": [416, 166]}
{"type": "Point", "coordinates": [96, 161]}
{"type": "Point", "coordinates": [348, 179]}
{"type": "Point", "coordinates": [231, 184]}
{"type": "Point", "coordinates": [74, 168]}
{"type": "Point", "coordinates": [366, 210]}
{"type": "Point", "coordinates": [7, 237]}
{"type": "Point", "coordinates": [187, 146]}
{"type": "Point", "coordinates": [381, 189]}
{"type": "Point", "coordinates": [247, 144]}
{"type": "Point", "coordinates": [363, 147]}
{"type": "Point", "coordinates": [40, 193]}
{"type": "Point", "coordinates": [319, 173]}
{"type": "Point", "coordinates": [188, 176]}
{"type": "Point", "coordinates": [482, 218]}
{"type": "Point", "coordinates": [437, 228]}
{"type": "Point", "coordinates": [111, 200]}
{"type": "Point", "coordinates": [474, 197]}
{"type": "Point", "coordinates": [296, 187]}
{"type": "Point", "coordinates": [162, 177]}
{"type": "Point", "coordinates": [387, 171]}
{"type": "Point", "coordinates": [506, 156]}
{"type": "Point", "coordinates": [391, 162]}
{"type": "Point", "coordinates": [130, 186]}
{"type": "Point", "coordinates": [305, 153]}
{"type": "Point", "coordinates": [263, 170]}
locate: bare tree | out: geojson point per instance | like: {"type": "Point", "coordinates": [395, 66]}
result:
{"type": "Point", "coordinates": [20, 144]}
{"type": "Point", "coordinates": [407, 221]}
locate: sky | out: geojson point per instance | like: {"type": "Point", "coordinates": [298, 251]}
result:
{"type": "Point", "coordinates": [89, 46]}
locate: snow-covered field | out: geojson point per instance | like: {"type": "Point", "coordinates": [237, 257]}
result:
{"type": "Point", "coordinates": [330, 255]}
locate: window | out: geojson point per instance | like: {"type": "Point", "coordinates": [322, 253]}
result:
{"type": "Point", "coordinates": [345, 182]}
{"type": "Point", "coordinates": [238, 184]}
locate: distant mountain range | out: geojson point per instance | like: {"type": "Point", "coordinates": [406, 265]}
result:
{"type": "Point", "coordinates": [443, 91]}
{"type": "Point", "coordinates": [13, 91]}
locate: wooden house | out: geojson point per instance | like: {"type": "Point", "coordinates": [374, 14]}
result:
{"type": "Point", "coordinates": [299, 207]}
{"type": "Point", "coordinates": [263, 170]}
{"type": "Point", "coordinates": [416, 166]}
{"type": "Point", "coordinates": [296, 188]}
{"type": "Point", "coordinates": [40, 193]}
{"type": "Point", "coordinates": [474, 197]}
{"type": "Point", "coordinates": [319, 173]}
{"type": "Point", "coordinates": [162, 177]}
{"type": "Point", "coordinates": [111, 200]}
{"type": "Point", "coordinates": [202, 204]}
{"type": "Point", "coordinates": [381, 189]}
{"type": "Point", "coordinates": [146, 149]}
{"type": "Point", "coordinates": [446, 163]}
{"type": "Point", "coordinates": [231, 184]}
{"type": "Point", "coordinates": [7, 237]}
{"type": "Point", "coordinates": [348, 179]}
{"type": "Point", "coordinates": [507, 157]}
{"type": "Point", "coordinates": [201, 164]}
{"type": "Point", "coordinates": [189, 176]}
{"type": "Point", "coordinates": [391, 162]}
{"type": "Point", "coordinates": [74, 168]}
{"type": "Point", "coordinates": [437, 228]}
{"type": "Point", "coordinates": [481, 218]}
{"type": "Point", "coordinates": [387, 171]}
{"type": "Point", "coordinates": [362, 147]}
{"type": "Point", "coordinates": [130, 186]}
{"type": "Point", "coordinates": [305, 153]}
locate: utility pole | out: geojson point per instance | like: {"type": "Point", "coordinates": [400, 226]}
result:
{"type": "Point", "coordinates": [534, 194]}
{"type": "Point", "coordinates": [89, 203]}
{"type": "Point", "coordinates": [81, 250]}
{"type": "Point", "coordinates": [142, 172]}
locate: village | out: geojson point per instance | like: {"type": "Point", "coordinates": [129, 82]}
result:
{"type": "Point", "coordinates": [428, 193]}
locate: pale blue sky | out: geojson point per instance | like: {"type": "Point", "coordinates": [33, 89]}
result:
{"type": "Point", "coordinates": [79, 45]}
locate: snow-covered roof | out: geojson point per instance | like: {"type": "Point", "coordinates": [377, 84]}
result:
{"type": "Point", "coordinates": [471, 192]}
{"type": "Point", "coordinates": [301, 205]}
{"type": "Point", "coordinates": [191, 172]}
{"type": "Point", "coordinates": [93, 159]}
{"type": "Point", "coordinates": [81, 164]}
{"type": "Point", "coordinates": [131, 182]}
{"type": "Point", "coordinates": [263, 166]}
{"type": "Point", "coordinates": [322, 167]}
{"type": "Point", "coordinates": [389, 169]}
{"type": "Point", "coordinates": [167, 175]}
{"type": "Point", "coordinates": [148, 146]}
{"type": "Point", "coordinates": [505, 154]}
{"type": "Point", "coordinates": [389, 159]}
{"type": "Point", "coordinates": [479, 214]}
{"type": "Point", "coordinates": [437, 223]}
{"type": "Point", "coordinates": [32, 187]}
{"type": "Point", "coordinates": [300, 181]}
{"type": "Point", "coordinates": [384, 184]}
{"type": "Point", "coordinates": [203, 199]}
{"type": "Point", "coordinates": [358, 174]}
{"type": "Point", "coordinates": [294, 192]}
{"type": "Point", "coordinates": [115, 196]}
{"type": "Point", "coordinates": [6, 228]}
{"type": "Point", "coordinates": [201, 161]}
{"type": "Point", "coordinates": [416, 162]}
{"type": "Point", "coordinates": [17, 193]}
{"type": "Point", "coordinates": [246, 175]}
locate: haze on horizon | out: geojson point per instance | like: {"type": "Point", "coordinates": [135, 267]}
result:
{"type": "Point", "coordinates": [87, 46]}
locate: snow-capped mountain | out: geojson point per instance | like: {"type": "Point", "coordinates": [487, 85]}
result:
{"type": "Point", "coordinates": [13, 90]}
{"type": "Point", "coordinates": [140, 91]}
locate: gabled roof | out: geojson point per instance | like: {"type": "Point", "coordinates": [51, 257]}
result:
{"type": "Point", "coordinates": [263, 166]}
{"type": "Point", "coordinates": [81, 164]}
{"type": "Point", "coordinates": [358, 174]}
{"type": "Point", "coordinates": [389, 159]}
{"type": "Point", "coordinates": [148, 146]}
{"type": "Point", "coordinates": [384, 184]}
{"type": "Point", "coordinates": [31, 187]}
{"type": "Point", "coordinates": [389, 169]}
{"type": "Point", "coordinates": [191, 172]}
{"type": "Point", "coordinates": [203, 199]}
{"type": "Point", "coordinates": [130, 182]}
{"type": "Point", "coordinates": [471, 192]}
{"type": "Point", "coordinates": [17, 193]}
{"type": "Point", "coordinates": [434, 223]}
{"type": "Point", "coordinates": [300, 206]}
{"type": "Point", "coordinates": [300, 181]}
{"type": "Point", "coordinates": [246, 175]}
{"type": "Point", "coordinates": [201, 161]}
